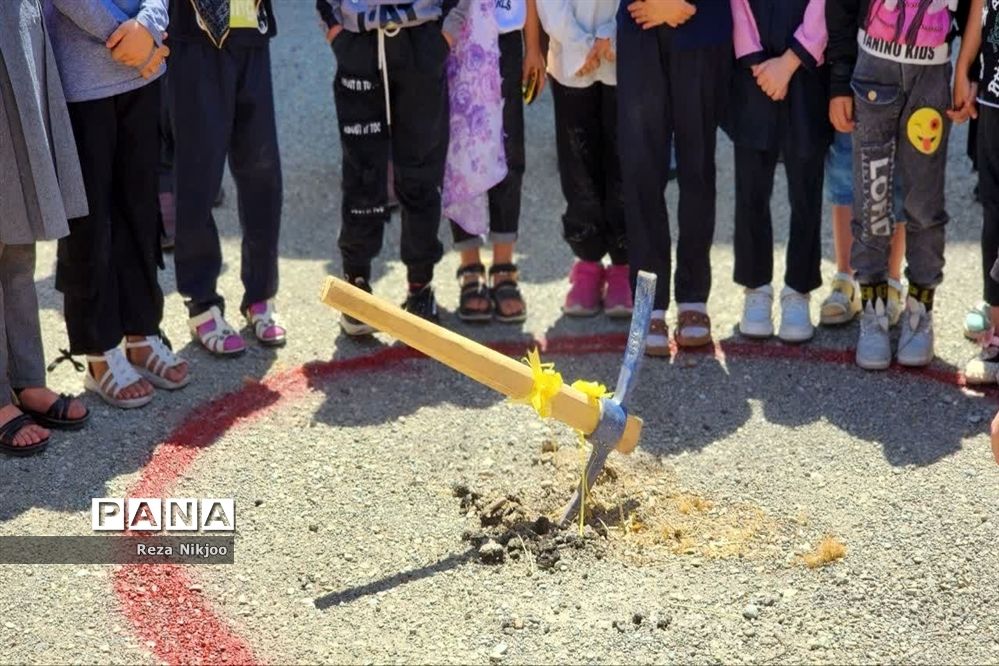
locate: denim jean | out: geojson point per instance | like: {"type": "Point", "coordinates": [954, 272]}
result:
{"type": "Point", "coordinates": [839, 175]}
{"type": "Point", "coordinates": [902, 131]}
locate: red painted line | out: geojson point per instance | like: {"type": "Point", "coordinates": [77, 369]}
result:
{"type": "Point", "coordinates": [178, 624]}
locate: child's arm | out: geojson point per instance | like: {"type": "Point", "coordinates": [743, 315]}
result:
{"type": "Point", "coordinates": [327, 18]}
{"type": "Point", "coordinates": [843, 25]}
{"type": "Point", "coordinates": [99, 18]}
{"type": "Point", "coordinates": [154, 17]}
{"type": "Point", "coordinates": [964, 89]}
{"type": "Point", "coordinates": [746, 35]}
{"type": "Point", "coordinates": [455, 15]}
{"type": "Point", "coordinates": [534, 59]}
{"type": "Point", "coordinates": [812, 37]}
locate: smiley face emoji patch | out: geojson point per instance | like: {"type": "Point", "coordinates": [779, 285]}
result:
{"type": "Point", "coordinates": [925, 130]}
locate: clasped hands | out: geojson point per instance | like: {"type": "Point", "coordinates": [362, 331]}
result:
{"type": "Point", "coordinates": [133, 45]}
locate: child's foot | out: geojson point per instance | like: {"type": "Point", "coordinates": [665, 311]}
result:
{"type": "Point", "coordinates": [351, 326]}
{"type": "Point", "coordinates": [896, 301]}
{"type": "Point", "coordinates": [263, 320]}
{"type": "Point", "coordinates": [618, 299]}
{"type": "Point", "coordinates": [693, 326]}
{"type": "Point", "coordinates": [795, 316]}
{"type": "Point", "coordinates": [50, 409]}
{"type": "Point", "coordinates": [874, 344]}
{"type": "Point", "coordinates": [19, 434]}
{"type": "Point", "coordinates": [915, 345]}
{"type": "Point", "coordinates": [977, 321]}
{"type": "Point", "coordinates": [657, 340]}
{"type": "Point", "coordinates": [156, 363]}
{"type": "Point", "coordinates": [113, 378]}
{"type": "Point", "coordinates": [757, 313]}
{"type": "Point", "coordinates": [215, 334]}
{"type": "Point", "coordinates": [421, 302]}
{"type": "Point", "coordinates": [583, 299]}
{"type": "Point", "coordinates": [984, 368]}
{"type": "Point", "coordinates": [843, 302]}
{"type": "Point", "coordinates": [474, 302]}
{"type": "Point", "coordinates": [508, 302]}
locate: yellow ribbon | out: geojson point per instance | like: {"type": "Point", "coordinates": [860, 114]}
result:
{"type": "Point", "coordinates": [547, 384]}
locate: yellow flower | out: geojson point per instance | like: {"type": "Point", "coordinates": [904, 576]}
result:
{"type": "Point", "coordinates": [547, 383]}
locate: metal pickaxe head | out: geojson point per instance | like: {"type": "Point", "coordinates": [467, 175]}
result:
{"type": "Point", "coordinates": [613, 414]}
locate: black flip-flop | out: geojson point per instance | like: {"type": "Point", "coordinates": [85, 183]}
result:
{"type": "Point", "coordinates": [56, 417]}
{"type": "Point", "coordinates": [9, 430]}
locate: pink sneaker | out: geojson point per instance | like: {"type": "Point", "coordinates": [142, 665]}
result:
{"type": "Point", "coordinates": [583, 299]}
{"type": "Point", "coordinates": [618, 300]}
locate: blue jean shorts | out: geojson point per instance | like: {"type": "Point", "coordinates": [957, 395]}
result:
{"type": "Point", "coordinates": [839, 175]}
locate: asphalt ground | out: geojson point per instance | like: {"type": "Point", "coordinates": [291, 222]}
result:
{"type": "Point", "coordinates": [350, 540]}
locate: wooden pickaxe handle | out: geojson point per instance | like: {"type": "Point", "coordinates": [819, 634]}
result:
{"type": "Point", "coordinates": [486, 366]}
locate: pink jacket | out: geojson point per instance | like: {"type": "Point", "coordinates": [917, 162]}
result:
{"type": "Point", "coordinates": [808, 43]}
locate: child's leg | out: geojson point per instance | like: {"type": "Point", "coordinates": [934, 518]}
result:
{"type": "Point", "coordinates": [419, 143]}
{"type": "Point", "coordinates": [359, 95]}
{"type": "Point", "coordinates": [578, 140]}
{"type": "Point", "coordinates": [645, 125]}
{"type": "Point", "coordinates": [804, 248]}
{"type": "Point", "coordinates": [988, 165]}
{"type": "Point", "coordinates": [699, 82]}
{"type": "Point", "coordinates": [618, 299]}
{"type": "Point", "coordinates": [842, 217]}
{"type": "Point", "coordinates": [255, 162]}
{"type": "Point", "coordinates": [922, 157]}
{"type": "Point", "coordinates": [505, 198]}
{"type": "Point", "coordinates": [754, 240]}
{"type": "Point", "coordinates": [201, 106]}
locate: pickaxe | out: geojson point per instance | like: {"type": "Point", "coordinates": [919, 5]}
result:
{"type": "Point", "coordinates": [606, 424]}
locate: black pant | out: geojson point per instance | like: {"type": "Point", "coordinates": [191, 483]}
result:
{"type": "Point", "coordinates": [417, 138]}
{"type": "Point", "coordinates": [586, 138]}
{"type": "Point", "coordinates": [222, 102]}
{"type": "Point", "coordinates": [988, 173]}
{"type": "Point", "coordinates": [505, 197]}
{"type": "Point", "coordinates": [754, 239]}
{"type": "Point", "coordinates": [663, 94]}
{"type": "Point", "coordinates": [107, 265]}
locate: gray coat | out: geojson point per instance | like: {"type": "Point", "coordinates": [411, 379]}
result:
{"type": "Point", "coordinates": [40, 180]}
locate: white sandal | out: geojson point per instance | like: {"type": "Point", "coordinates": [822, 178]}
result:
{"type": "Point", "coordinates": [160, 360]}
{"type": "Point", "coordinates": [215, 334]}
{"type": "Point", "coordinates": [261, 318]}
{"type": "Point", "coordinates": [119, 375]}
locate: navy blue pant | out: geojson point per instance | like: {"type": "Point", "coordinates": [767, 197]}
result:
{"type": "Point", "coordinates": [666, 95]}
{"type": "Point", "coordinates": [222, 103]}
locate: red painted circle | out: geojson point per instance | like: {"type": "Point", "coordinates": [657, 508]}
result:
{"type": "Point", "coordinates": [178, 624]}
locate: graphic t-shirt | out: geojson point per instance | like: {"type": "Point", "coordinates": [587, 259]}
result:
{"type": "Point", "coordinates": [908, 31]}
{"type": "Point", "coordinates": [511, 15]}
{"type": "Point", "coordinates": [242, 14]}
{"type": "Point", "coordinates": [988, 88]}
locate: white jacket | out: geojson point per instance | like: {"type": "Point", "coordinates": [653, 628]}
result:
{"type": "Point", "coordinates": [573, 26]}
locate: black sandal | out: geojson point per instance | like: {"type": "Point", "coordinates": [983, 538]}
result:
{"type": "Point", "coordinates": [56, 417]}
{"type": "Point", "coordinates": [506, 290]}
{"type": "Point", "coordinates": [10, 430]}
{"type": "Point", "coordinates": [472, 281]}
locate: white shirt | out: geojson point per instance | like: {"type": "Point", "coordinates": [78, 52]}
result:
{"type": "Point", "coordinates": [511, 15]}
{"type": "Point", "coordinates": [573, 26]}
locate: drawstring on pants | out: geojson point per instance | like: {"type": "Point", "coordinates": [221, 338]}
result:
{"type": "Point", "coordinates": [390, 30]}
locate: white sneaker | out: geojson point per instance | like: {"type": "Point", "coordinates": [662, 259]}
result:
{"type": "Point", "coordinates": [795, 316]}
{"type": "Point", "coordinates": [757, 313]}
{"type": "Point", "coordinates": [874, 343]}
{"type": "Point", "coordinates": [915, 344]}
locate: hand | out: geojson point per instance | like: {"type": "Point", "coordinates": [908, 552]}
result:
{"type": "Point", "coordinates": [333, 33]}
{"type": "Point", "coordinates": [841, 114]}
{"type": "Point", "coordinates": [534, 68]}
{"type": "Point", "coordinates": [965, 103]}
{"type": "Point", "coordinates": [774, 75]}
{"type": "Point", "coordinates": [131, 44]}
{"type": "Point", "coordinates": [654, 13]}
{"type": "Point", "coordinates": [153, 66]}
{"type": "Point", "coordinates": [449, 39]}
{"type": "Point", "coordinates": [601, 50]}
